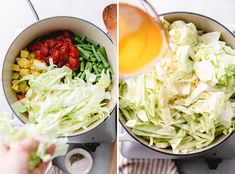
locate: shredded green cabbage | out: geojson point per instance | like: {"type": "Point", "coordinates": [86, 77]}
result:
{"type": "Point", "coordinates": [11, 135]}
{"type": "Point", "coordinates": [65, 104]}
{"type": "Point", "coordinates": [186, 100]}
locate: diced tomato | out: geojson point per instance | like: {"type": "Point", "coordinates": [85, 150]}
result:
{"type": "Point", "coordinates": [44, 51]}
{"type": "Point", "coordinates": [20, 97]}
{"type": "Point", "coordinates": [38, 55]}
{"type": "Point", "coordinates": [38, 46]}
{"type": "Point", "coordinates": [73, 63]}
{"type": "Point", "coordinates": [74, 52]}
{"type": "Point", "coordinates": [58, 45]}
{"type": "Point", "coordinates": [60, 49]}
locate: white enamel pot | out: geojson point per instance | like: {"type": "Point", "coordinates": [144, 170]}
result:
{"type": "Point", "coordinates": [208, 25]}
{"type": "Point", "coordinates": [47, 26]}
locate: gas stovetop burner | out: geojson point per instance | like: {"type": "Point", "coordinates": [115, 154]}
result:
{"type": "Point", "coordinates": [213, 163]}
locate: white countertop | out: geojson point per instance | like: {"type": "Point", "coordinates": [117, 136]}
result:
{"type": "Point", "coordinates": [220, 10]}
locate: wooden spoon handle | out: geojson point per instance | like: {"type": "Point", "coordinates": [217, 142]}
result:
{"type": "Point", "coordinates": [110, 20]}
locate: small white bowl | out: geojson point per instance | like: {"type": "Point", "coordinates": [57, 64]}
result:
{"type": "Point", "coordinates": [82, 166]}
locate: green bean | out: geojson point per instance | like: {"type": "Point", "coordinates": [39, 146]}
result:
{"type": "Point", "coordinates": [87, 65]}
{"type": "Point", "coordinates": [83, 38]}
{"type": "Point", "coordinates": [84, 57]}
{"type": "Point", "coordinates": [95, 69]}
{"type": "Point", "coordinates": [83, 75]}
{"type": "Point", "coordinates": [95, 53]}
{"type": "Point", "coordinates": [89, 52]}
{"type": "Point", "coordinates": [103, 59]}
{"type": "Point", "coordinates": [77, 35]}
{"type": "Point", "coordinates": [84, 52]}
{"type": "Point", "coordinates": [77, 38]}
{"type": "Point", "coordinates": [79, 74]}
{"type": "Point", "coordinates": [101, 66]}
{"type": "Point", "coordinates": [93, 59]}
{"type": "Point", "coordinates": [88, 48]}
{"type": "Point", "coordinates": [99, 70]}
{"type": "Point", "coordinates": [82, 64]}
{"type": "Point", "coordinates": [85, 47]}
{"type": "Point", "coordinates": [90, 67]}
{"type": "Point", "coordinates": [103, 51]}
{"type": "Point", "coordinates": [92, 42]}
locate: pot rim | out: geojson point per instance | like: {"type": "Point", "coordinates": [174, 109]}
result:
{"type": "Point", "coordinates": [55, 17]}
{"type": "Point", "coordinates": [190, 153]}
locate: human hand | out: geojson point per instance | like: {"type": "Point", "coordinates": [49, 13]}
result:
{"type": "Point", "coordinates": [14, 159]}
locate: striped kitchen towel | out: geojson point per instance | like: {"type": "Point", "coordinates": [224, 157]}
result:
{"type": "Point", "coordinates": [53, 170]}
{"type": "Point", "coordinates": [147, 166]}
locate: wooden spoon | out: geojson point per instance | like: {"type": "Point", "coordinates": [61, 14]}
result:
{"type": "Point", "coordinates": [110, 20]}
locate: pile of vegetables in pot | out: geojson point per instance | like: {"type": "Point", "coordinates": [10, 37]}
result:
{"type": "Point", "coordinates": [187, 99]}
{"type": "Point", "coordinates": [71, 88]}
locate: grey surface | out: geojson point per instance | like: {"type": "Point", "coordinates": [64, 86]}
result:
{"type": "Point", "coordinates": [200, 167]}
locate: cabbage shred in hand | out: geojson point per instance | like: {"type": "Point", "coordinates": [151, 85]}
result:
{"type": "Point", "coordinates": [12, 135]}
{"type": "Point", "coordinates": [186, 100]}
